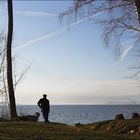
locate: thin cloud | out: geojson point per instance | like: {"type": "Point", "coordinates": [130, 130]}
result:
{"type": "Point", "coordinates": [35, 14]}
{"type": "Point", "coordinates": [124, 54]}
{"type": "Point", "coordinates": [55, 33]}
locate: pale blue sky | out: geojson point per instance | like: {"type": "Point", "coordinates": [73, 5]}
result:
{"type": "Point", "coordinates": [71, 65]}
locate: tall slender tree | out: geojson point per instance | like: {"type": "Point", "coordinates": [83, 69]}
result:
{"type": "Point", "coordinates": [13, 112]}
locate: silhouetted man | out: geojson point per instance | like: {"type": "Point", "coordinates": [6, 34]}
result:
{"type": "Point", "coordinates": [43, 103]}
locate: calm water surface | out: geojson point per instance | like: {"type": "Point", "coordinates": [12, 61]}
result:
{"type": "Point", "coordinates": [71, 114]}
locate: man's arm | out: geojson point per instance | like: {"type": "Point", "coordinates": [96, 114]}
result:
{"type": "Point", "coordinates": [48, 106]}
{"type": "Point", "coordinates": [39, 103]}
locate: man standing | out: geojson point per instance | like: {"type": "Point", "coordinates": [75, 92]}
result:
{"type": "Point", "coordinates": [43, 103]}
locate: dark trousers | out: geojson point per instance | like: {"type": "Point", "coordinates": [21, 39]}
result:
{"type": "Point", "coordinates": [45, 115]}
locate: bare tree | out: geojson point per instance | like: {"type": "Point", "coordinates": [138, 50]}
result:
{"type": "Point", "coordinates": [7, 86]}
{"type": "Point", "coordinates": [13, 112]}
{"type": "Point", "coordinates": [120, 19]}
{"type": "Point", "coordinates": [17, 77]}
{"type": "Point", "coordinates": [4, 102]}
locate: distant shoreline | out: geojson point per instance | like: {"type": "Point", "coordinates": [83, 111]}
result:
{"type": "Point", "coordinates": [83, 105]}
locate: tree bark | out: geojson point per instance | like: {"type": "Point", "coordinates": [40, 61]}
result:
{"type": "Point", "coordinates": [13, 112]}
{"type": "Point", "coordinates": [137, 5]}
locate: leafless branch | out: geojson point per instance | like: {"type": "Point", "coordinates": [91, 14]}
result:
{"type": "Point", "coordinates": [21, 76]}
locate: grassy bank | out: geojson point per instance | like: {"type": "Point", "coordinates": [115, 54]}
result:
{"type": "Point", "coordinates": [55, 131]}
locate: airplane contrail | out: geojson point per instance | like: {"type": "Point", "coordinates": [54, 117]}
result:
{"type": "Point", "coordinates": [124, 54]}
{"type": "Point", "coordinates": [35, 14]}
{"type": "Point", "coordinates": [55, 33]}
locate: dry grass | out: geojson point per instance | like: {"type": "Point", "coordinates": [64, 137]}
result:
{"type": "Point", "coordinates": [57, 131]}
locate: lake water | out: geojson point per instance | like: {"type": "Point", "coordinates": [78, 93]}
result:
{"type": "Point", "coordinates": [71, 114]}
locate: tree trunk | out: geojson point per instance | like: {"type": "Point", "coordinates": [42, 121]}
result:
{"type": "Point", "coordinates": [13, 112]}
{"type": "Point", "coordinates": [137, 5]}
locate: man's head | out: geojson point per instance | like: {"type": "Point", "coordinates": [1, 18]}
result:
{"type": "Point", "coordinates": [44, 96]}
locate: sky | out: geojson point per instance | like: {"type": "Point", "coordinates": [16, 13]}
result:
{"type": "Point", "coordinates": [69, 61]}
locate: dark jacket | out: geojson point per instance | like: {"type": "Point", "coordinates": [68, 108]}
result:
{"type": "Point", "coordinates": [44, 104]}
